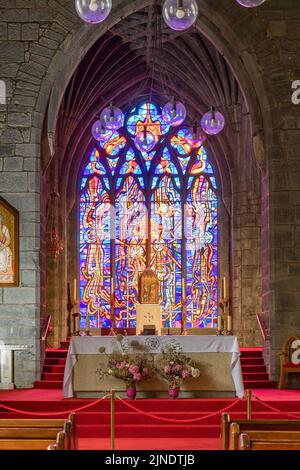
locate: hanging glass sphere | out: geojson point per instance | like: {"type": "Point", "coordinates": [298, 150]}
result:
{"type": "Point", "coordinates": [112, 118]}
{"type": "Point", "coordinates": [174, 113]}
{"type": "Point", "coordinates": [212, 122]}
{"type": "Point", "coordinates": [250, 3]}
{"type": "Point", "coordinates": [93, 11]}
{"type": "Point", "coordinates": [180, 14]}
{"type": "Point", "coordinates": [195, 137]}
{"type": "Point", "coordinates": [145, 141]}
{"type": "Point", "coordinates": [100, 133]}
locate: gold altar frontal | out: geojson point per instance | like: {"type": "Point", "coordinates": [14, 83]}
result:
{"type": "Point", "coordinates": [215, 379]}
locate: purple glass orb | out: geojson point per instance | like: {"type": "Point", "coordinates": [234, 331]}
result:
{"type": "Point", "coordinates": [180, 14]}
{"type": "Point", "coordinates": [93, 11]}
{"type": "Point", "coordinates": [212, 122]}
{"type": "Point", "coordinates": [112, 117]}
{"type": "Point", "coordinates": [250, 3]}
{"type": "Point", "coordinates": [195, 137]}
{"type": "Point", "coordinates": [100, 133]}
{"type": "Point", "coordinates": [174, 113]}
{"type": "Point", "coordinates": [145, 141]}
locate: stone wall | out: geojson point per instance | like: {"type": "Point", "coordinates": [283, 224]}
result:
{"type": "Point", "coordinates": [41, 43]}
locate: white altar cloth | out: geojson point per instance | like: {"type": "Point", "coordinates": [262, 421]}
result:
{"type": "Point", "coordinates": [154, 344]}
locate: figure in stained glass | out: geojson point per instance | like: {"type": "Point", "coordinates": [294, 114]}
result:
{"type": "Point", "coordinates": [142, 210]}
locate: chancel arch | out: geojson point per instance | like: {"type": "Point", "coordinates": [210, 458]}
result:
{"type": "Point", "coordinates": [209, 79]}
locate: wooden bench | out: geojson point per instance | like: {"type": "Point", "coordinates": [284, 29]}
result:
{"type": "Point", "coordinates": [230, 431]}
{"type": "Point", "coordinates": [287, 366]}
{"type": "Point", "coordinates": [59, 442]}
{"type": "Point", "coordinates": [276, 440]}
{"type": "Point", "coordinates": [38, 433]}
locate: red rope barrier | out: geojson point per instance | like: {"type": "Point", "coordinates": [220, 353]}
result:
{"type": "Point", "coordinates": [60, 413]}
{"type": "Point", "coordinates": [276, 409]}
{"type": "Point", "coordinates": [171, 420]}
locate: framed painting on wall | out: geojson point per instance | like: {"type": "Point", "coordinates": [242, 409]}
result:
{"type": "Point", "coordinates": [9, 245]}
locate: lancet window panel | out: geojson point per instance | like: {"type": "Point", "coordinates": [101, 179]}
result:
{"type": "Point", "coordinates": [139, 209]}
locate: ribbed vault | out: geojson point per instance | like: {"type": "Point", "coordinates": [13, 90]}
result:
{"type": "Point", "coordinates": [141, 56]}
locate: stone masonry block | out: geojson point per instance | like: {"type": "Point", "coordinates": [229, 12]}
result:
{"type": "Point", "coordinates": [28, 150]}
{"type": "Point", "coordinates": [13, 182]}
{"type": "Point", "coordinates": [21, 295]}
{"type": "Point", "coordinates": [13, 164]}
{"type": "Point", "coordinates": [14, 31]}
{"type": "Point", "coordinates": [30, 32]}
{"type": "Point", "coordinates": [11, 52]}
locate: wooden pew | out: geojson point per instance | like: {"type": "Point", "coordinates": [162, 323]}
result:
{"type": "Point", "coordinates": [60, 442]}
{"type": "Point", "coordinates": [40, 432]}
{"type": "Point", "coordinates": [279, 440]}
{"type": "Point", "coordinates": [264, 434]}
{"type": "Point", "coordinates": [230, 437]}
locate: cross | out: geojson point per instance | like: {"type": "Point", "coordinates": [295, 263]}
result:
{"type": "Point", "coordinates": [148, 317]}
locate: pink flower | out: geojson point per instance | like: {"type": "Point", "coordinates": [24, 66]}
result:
{"type": "Point", "coordinates": [133, 369]}
{"type": "Point", "coordinates": [145, 372]}
{"type": "Point", "coordinates": [167, 369]}
{"type": "Point", "coordinates": [121, 365]}
{"type": "Point", "coordinates": [137, 376]}
{"type": "Point", "coordinates": [185, 374]}
{"type": "Point", "coordinates": [177, 368]}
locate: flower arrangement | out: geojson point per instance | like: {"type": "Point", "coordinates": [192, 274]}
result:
{"type": "Point", "coordinates": [131, 368]}
{"type": "Point", "coordinates": [175, 366]}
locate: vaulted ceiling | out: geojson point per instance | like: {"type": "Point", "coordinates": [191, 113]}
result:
{"type": "Point", "coordinates": [139, 57]}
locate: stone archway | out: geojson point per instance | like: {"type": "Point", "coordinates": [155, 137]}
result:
{"type": "Point", "coordinates": [242, 63]}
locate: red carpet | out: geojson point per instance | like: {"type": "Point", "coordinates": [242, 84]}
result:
{"type": "Point", "coordinates": [138, 431]}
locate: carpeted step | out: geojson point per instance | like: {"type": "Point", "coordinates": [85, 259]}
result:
{"type": "Point", "coordinates": [251, 352]}
{"type": "Point", "coordinates": [188, 444]}
{"type": "Point", "coordinates": [54, 368]}
{"type": "Point", "coordinates": [255, 376]}
{"type": "Point", "coordinates": [254, 368]}
{"type": "Point", "coordinates": [252, 360]}
{"type": "Point", "coordinates": [50, 376]}
{"type": "Point", "coordinates": [54, 362]}
{"type": "Point", "coordinates": [48, 384]}
{"type": "Point", "coordinates": [50, 353]}
{"type": "Point", "coordinates": [99, 419]}
{"type": "Point", "coordinates": [65, 344]}
{"type": "Point", "coordinates": [250, 384]}
{"type": "Point", "coordinates": [162, 430]}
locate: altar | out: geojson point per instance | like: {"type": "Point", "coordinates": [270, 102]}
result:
{"type": "Point", "coordinates": [218, 356]}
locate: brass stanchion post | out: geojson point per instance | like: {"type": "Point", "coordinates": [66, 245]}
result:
{"type": "Point", "coordinates": [112, 419]}
{"type": "Point", "coordinates": [249, 404]}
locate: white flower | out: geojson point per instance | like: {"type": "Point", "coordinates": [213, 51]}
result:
{"type": "Point", "coordinates": [195, 372]}
{"type": "Point", "coordinates": [110, 371]}
{"type": "Point", "coordinates": [171, 363]}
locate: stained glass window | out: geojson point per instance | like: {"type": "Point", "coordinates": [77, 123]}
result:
{"type": "Point", "coordinates": [157, 209]}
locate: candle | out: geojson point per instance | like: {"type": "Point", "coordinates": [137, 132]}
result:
{"type": "Point", "coordinates": [219, 323]}
{"type": "Point", "coordinates": [75, 289]}
{"type": "Point", "coordinates": [229, 323]}
{"type": "Point", "coordinates": [224, 286]}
